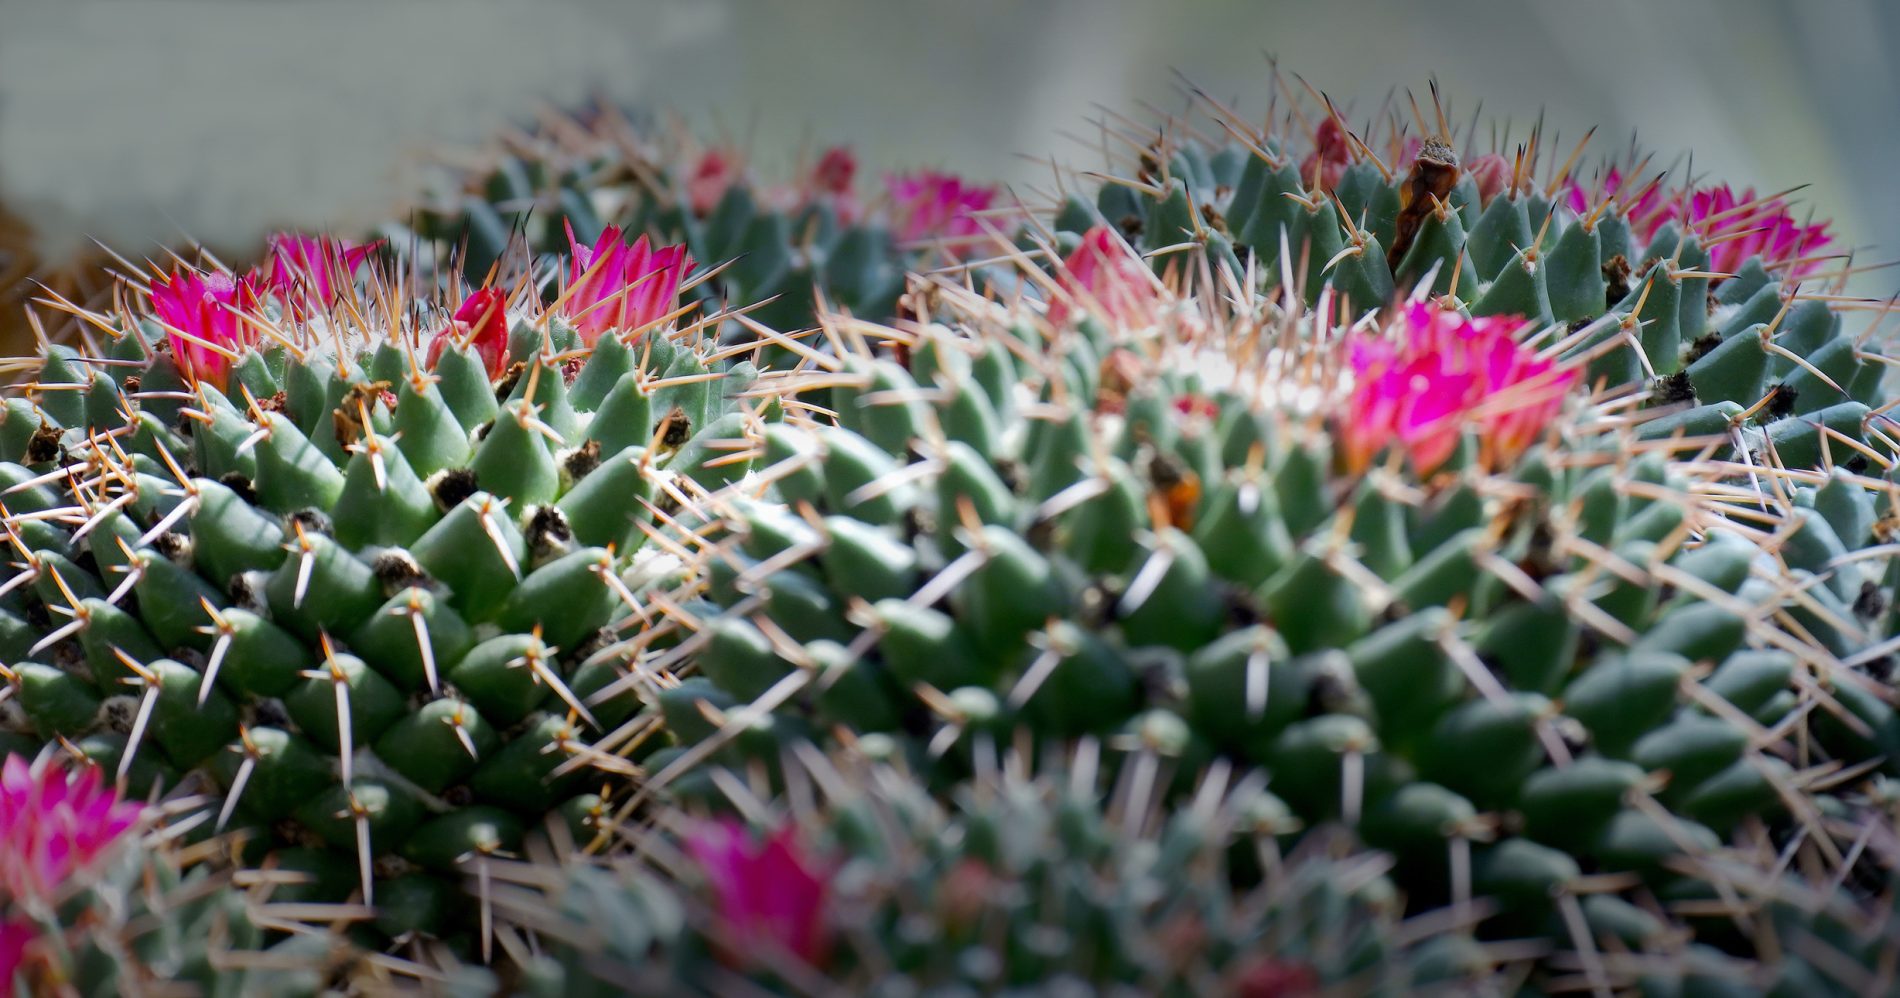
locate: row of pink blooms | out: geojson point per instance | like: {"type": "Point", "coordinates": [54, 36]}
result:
{"type": "Point", "coordinates": [53, 825]}
{"type": "Point", "coordinates": [924, 205]}
{"type": "Point", "coordinates": [1735, 227]}
{"type": "Point", "coordinates": [1416, 389]}
{"type": "Point", "coordinates": [209, 318]}
{"type": "Point", "coordinates": [1416, 385]}
{"type": "Point", "coordinates": [1740, 226]}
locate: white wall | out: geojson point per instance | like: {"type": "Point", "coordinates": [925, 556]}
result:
{"type": "Point", "coordinates": [139, 121]}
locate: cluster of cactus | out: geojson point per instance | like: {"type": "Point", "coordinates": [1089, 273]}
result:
{"type": "Point", "coordinates": [1556, 575]}
{"type": "Point", "coordinates": [263, 547]}
{"type": "Point", "coordinates": [1481, 229]}
{"type": "Point", "coordinates": [1018, 882]}
{"type": "Point", "coordinates": [817, 235]}
{"type": "Point", "coordinates": [1578, 670]}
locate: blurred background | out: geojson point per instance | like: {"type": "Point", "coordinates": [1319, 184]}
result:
{"type": "Point", "coordinates": [140, 122]}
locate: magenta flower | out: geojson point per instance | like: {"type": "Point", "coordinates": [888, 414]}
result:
{"type": "Point", "coordinates": [1431, 373]}
{"type": "Point", "coordinates": [1735, 228]}
{"type": "Point", "coordinates": [480, 322]}
{"type": "Point", "coordinates": [200, 313]}
{"type": "Point", "coordinates": [836, 168]}
{"type": "Point", "coordinates": [768, 893]}
{"type": "Point", "coordinates": [1737, 231]}
{"type": "Point", "coordinates": [830, 183]}
{"type": "Point", "coordinates": [612, 285]}
{"type": "Point", "coordinates": [931, 205]}
{"type": "Point", "coordinates": [15, 937]}
{"type": "Point", "coordinates": [1491, 173]}
{"type": "Point", "coordinates": [53, 823]}
{"type": "Point", "coordinates": [306, 272]}
{"type": "Point", "coordinates": [717, 170]}
{"type": "Point", "coordinates": [1105, 276]}
{"type": "Point", "coordinates": [1332, 153]}
{"type": "Point", "coordinates": [1646, 207]}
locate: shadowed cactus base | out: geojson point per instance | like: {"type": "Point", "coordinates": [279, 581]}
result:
{"type": "Point", "coordinates": [1012, 882]}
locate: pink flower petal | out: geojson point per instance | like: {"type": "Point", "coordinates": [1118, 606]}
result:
{"type": "Point", "coordinates": [768, 893]}
{"type": "Point", "coordinates": [15, 937]}
{"type": "Point", "coordinates": [52, 824]}
{"type": "Point", "coordinates": [197, 311]}
{"type": "Point", "coordinates": [1418, 384]}
{"type": "Point", "coordinates": [1105, 276]}
{"type": "Point", "coordinates": [615, 286]}
{"type": "Point", "coordinates": [930, 205]}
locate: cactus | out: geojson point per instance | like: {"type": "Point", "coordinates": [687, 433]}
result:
{"type": "Point", "coordinates": [817, 234]}
{"type": "Point", "coordinates": [1409, 566]}
{"type": "Point", "coordinates": [344, 559]}
{"type": "Point", "coordinates": [1540, 596]}
{"type": "Point", "coordinates": [99, 895]}
{"type": "Point", "coordinates": [1708, 298]}
{"type": "Point", "coordinates": [1017, 880]}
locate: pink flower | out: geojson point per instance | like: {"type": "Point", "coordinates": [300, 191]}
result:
{"type": "Point", "coordinates": [1647, 207]}
{"type": "Point", "coordinates": [15, 937]}
{"type": "Point", "coordinates": [1194, 404]}
{"type": "Point", "coordinates": [1492, 175]}
{"type": "Point", "coordinates": [197, 312]}
{"type": "Point", "coordinates": [615, 286]}
{"type": "Point", "coordinates": [932, 205]}
{"type": "Point", "coordinates": [1716, 215]}
{"type": "Point", "coordinates": [768, 893]}
{"type": "Point", "coordinates": [1766, 229]}
{"type": "Point", "coordinates": [835, 171]}
{"type": "Point", "coordinates": [306, 272]}
{"type": "Point", "coordinates": [480, 322]}
{"type": "Point", "coordinates": [1105, 276]}
{"type": "Point", "coordinates": [1418, 384]}
{"type": "Point", "coordinates": [716, 171]}
{"type": "Point", "coordinates": [52, 824]}
{"type": "Point", "coordinates": [830, 183]}
{"type": "Point", "coordinates": [1332, 153]}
